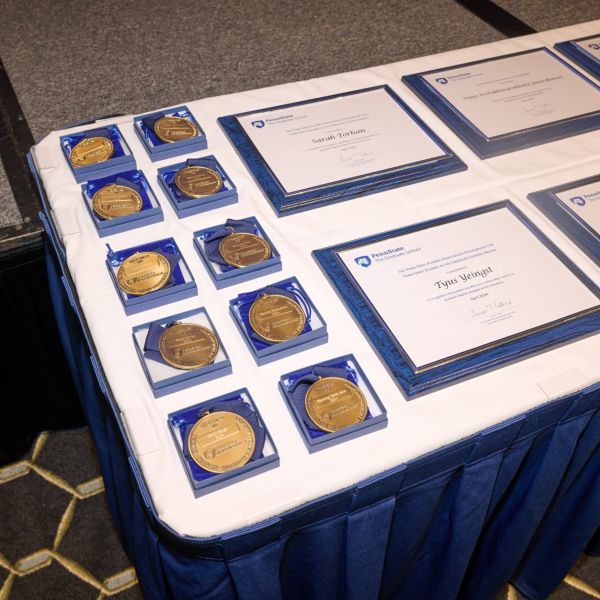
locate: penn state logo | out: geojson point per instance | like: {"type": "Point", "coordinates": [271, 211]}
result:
{"type": "Point", "coordinates": [258, 124]}
{"type": "Point", "coordinates": [595, 46]}
{"type": "Point", "coordinates": [363, 261]}
{"type": "Point", "coordinates": [441, 80]}
{"type": "Point", "coordinates": [578, 200]}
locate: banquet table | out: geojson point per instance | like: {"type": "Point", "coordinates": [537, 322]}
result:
{"type": "Point", "coordinates": [492, 479]}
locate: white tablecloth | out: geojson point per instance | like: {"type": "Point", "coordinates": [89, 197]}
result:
{"type": "Point", "coordinates": [414, 427]}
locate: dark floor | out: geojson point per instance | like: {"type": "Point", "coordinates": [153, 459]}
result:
{"type": "Point", "coordinates": [56, 540]}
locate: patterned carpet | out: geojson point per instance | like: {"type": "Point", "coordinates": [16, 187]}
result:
{"type": "Point", "coordinates": [57, 540]}
{"type": "Point", "coordinates": [56, 537]}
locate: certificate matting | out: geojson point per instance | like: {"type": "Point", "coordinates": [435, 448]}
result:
{"type": "Point", "coordinates": [460, 294]}
{"type": "Point", "coordinates": [511, 102]}
{"type": "Point", "coordinates": [346, 137]}
{"type": "Point", "coordinates": [575, 208]}
{"type": "Point", "coordinates": [324, 150]}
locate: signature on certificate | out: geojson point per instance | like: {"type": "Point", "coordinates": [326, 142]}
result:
{"type": "Point", "coordinates": [491, 309]}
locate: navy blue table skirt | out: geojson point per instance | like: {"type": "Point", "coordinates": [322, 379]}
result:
{"type": "Point", "coordinates": [517, 502]}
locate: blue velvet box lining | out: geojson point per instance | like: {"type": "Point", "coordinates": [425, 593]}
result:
{"type": "Point", "coordinates": [355, 375]}
{"type": "Point", "coordinates": [242, 304]}
{"type": "Point", "coordinates": [240, 401]}
{"type": "Point", "coordinates": [150, 204]}
{"type": "Point", "coordinates": [180, 275]}
{"type": "Point", "coordinates": [217, 269]}
{"type": "Point", "coordinates": [161, 375]}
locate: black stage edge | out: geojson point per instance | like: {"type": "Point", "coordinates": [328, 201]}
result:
{"type": "Point", "coordinates": [15, 141]}
{"type": "Point", "coordinates": [500, 19]}
{"type": "Point", "coordinates": [37, 388]}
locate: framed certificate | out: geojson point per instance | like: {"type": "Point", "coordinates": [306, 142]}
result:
{"type": "Point", "coordinates": [575, 208]}
{"type": "Point", "coordinates": [511, 102]}
{"type": "Point", "coordinates": [584, 51]}
{"type": "Point", "coordinates": [444, 299]}
{"type": "Point", "coordinates": [316, 152]}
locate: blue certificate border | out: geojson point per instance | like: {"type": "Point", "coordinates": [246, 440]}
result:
{"type": "Point", "coordinates": [484, 146]}
{"type": "Point", "coordinates": [571, 223]}
{"type": "Point", "coordinates": [414, 381]}
{"type": "Point", "coordinates": [286, 203]}
{"type": "Point", "coordinates": [586, 60]}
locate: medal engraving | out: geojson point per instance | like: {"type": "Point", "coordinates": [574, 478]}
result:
{"type": "Point", "coordinates": [143, 272]}
{"type": "Point", "coordinates": [276, 318]}
{"type": "Point", "coordinates": [174, 129]}
{"type": "Point", "coordinates": [244, 249]}
{"type": "Point", "coordinates": [90, 151]}
{"type": "Point", "coordinates": [221, 441]}
{"type": "Point", "coordinates": [114, 201]}
{"type": "Point", "coordinates": [188, 346]}
{"type": "Point", "coordinates": [196, 182]}
{"type": "Point", "coordinates": [333, 403]}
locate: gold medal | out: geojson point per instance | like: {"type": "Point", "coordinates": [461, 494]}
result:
{"type": "Point", "coordinates": [174, 129]}
{"type": "Point", "coordinates": [114, 201]}
{"type": "Point", "coordinates": [90, 151]}
{"type": "Point", "coordinates": [244, 249]}
{"type": "Point", "coordinates": [188, 346]}
{"type": "Point", "coordinates": [196, 182]}
{"type": "Point", "coordinates": [333, 403]}
{"type": "Point", "coordinates": [143, 272]}
{"type": "Point", "coordinates": [276, 318]}
{"type": "Point", "coordinates": [221, 441]}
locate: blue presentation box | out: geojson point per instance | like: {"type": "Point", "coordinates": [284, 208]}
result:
{"type": "Point", "coordinates": [203, 481]}
{"type": "Point", "coordinates": [314, 333]}
{"type": "Point", "coordinates": [122, 158]}
{"type": "Point", "coordinates": [579, 52]}
{"type": "Point", "coordinates": [223, 276]}
{"type": "Point", "coordinates": [158, 149]}
{"type": "Point", "coordinates": [151, 211]}
{"type": "Point", "coordinates": [186, 207]}
{"type": "Point", "coordinates": [184, 285]}
{"type": "Point", "coordinates": [314, 438]}
{"type": "Point", "coordinates": [569, 215]}
{"type": "Point", "coordinates": [164, 378]}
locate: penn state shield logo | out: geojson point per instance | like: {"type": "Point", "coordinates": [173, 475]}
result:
{"type": "Point", "coordinates": [258, 124]}
{"type": "Point", "coordinates": [363, 261]}
{"type": "Point", "coordinates": [441, 80]}
{"type": "Point", "coordinates": [578, 200]}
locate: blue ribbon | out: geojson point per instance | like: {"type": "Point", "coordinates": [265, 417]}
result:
{"type": "Point", "coordinates": [104, 132]}
{"type": "Point", "coordinates": [212, 242]}
{"type": "Point", "coordinates": [151, 345]}
{"type": "Point", "coordinates": [128, 183]}
{"type": "Point", "coordinates": [246, 300]}
{"type": "Point", "coordinates": [150, 121]}
{"type": "Point", "coordinates": [237, 406]}
{"type": "Point", "coordinates": [297, 388]}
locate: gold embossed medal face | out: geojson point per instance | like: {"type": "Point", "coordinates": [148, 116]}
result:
{"type": "Point", "coordinates": [244, 249]}
{"type": "Point", "coordinates": [90, 151]}
{"type": "Point", "coordinates": [174, 129]}
{"type": "Point", "coordinates": [221, 441]}
{"type": "Point", "coordinates": [196, 182]}
{"type": "Point", "coordinates": [276, 318]}
{"type": "Point", "coordinates": [333, 403]}
{"type": "Point", "coordinates": [188, 346]}
{"type": "Point", "coordinates": [143, 272]}
{"type": "Point", "coordinates": [113, 201]}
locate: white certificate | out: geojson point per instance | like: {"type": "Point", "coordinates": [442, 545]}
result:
{"type": "Point", "coordinates": [584, 201]}
{"type": "Point", "coordinates": [591, 46]}
{"type": "Point", "coordinates": [447, 290]}
{"type": "Point", "coordinates": [326, 141]}
{"type": "Point", "coordinates": [516, 93]}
